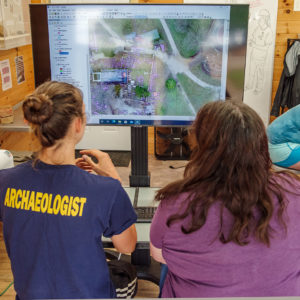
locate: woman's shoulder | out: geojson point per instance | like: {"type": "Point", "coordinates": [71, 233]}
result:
{"type": "Point", "coordinates": [290, 115]}
{"type": "Point", "coordinates": [290, 192]}
{"type": "Point", "coordinates": [288, 119]}
{"type": "Point", "coordinates": [288, 185]}
{"type": "Point", "coordinates": [23, 167]}
{"type": "Point", "coordinates": [95, 179]}
{"type": "Point", "coordinates": [286, 179]}
{"type": "Point", "coordinates": [98, 185]}
{"type": "Point", "coordinates": [171, 204]}
{"type": "Point", "coordinates": [286, 126]}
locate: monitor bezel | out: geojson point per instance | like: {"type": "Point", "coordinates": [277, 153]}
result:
{"type": "Point", "coordinates": [41, 52]}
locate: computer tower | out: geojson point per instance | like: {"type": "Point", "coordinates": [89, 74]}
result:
{"type": "Point", "coordinates": [172, 143]}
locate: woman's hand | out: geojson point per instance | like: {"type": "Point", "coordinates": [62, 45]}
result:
{"type": "Point", "coordinates": [103, 167]}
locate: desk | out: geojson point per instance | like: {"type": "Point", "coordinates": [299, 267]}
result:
{"type": "Point", "coordinates": [147, 268]}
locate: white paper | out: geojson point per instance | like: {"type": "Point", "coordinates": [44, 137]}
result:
{"type": "Point", "coordinates": [13, 17]}
{"type": "Point", "coordinates": [20, 69]}
{"type": "Point", "coordinates": [5, 74]}
{"type": "Point", "coordinates": [296, 5]}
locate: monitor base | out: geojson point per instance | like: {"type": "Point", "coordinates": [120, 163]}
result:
{"type": "Point", "coordinates": [139, 180]}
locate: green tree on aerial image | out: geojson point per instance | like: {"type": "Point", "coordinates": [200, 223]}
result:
{"type": "Point", "coordinates": [170, 84]}
{"type": "Point", "coordinates": [142, 92]}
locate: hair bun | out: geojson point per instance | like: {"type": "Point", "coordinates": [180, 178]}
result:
{"type": "Point", "coordinates": [38, 109]}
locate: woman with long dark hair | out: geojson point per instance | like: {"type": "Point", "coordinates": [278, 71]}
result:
{"type": "Point", "coordinates": [230, 227]}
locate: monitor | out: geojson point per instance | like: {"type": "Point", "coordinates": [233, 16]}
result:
{"type": "Point", "coordinates": [153, 64]}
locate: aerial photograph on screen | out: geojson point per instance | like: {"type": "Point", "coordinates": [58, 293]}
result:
{"type": "Point", "coordinates": [159, 67]}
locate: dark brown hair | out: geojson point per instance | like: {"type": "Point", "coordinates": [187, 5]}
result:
{"type": "Point", "coordinates": [51, 108]}
{"type": "Point", "coordinates": [230, 165]}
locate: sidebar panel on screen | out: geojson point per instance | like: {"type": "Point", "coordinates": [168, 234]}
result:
{"type": "Point", "coordinates": [68, 39]}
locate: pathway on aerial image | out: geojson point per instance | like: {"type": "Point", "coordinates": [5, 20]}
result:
{"type": "Point", "coordinates": [178, 59]}
{"type": "Point", "coordinates": [118, 40]}
{"type": "Point", "coordinates": [175, 62]}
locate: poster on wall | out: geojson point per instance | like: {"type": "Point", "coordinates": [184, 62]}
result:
{"type": "Point", "coordinates": [20, 69]}
{"type": "Point", "coordinates": [5, 74]}
{"type": "Point", "coordinates": [296, 5]}
{"type": "Point", "coordinates": [260, 52]}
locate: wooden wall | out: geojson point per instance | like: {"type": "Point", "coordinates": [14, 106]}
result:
{"type": "Point", "coordinates": [288, 26]}
{"type": "Point", "coordinates": [18, 140]}
{"type": "Point", "coordinates": [18, 91]}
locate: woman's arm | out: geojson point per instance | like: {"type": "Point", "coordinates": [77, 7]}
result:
{"type": "Point", "coordinates": [103, 167]}
{"type": "Point", "coordinates": [125, 242]}
{"type": "Point", "coordinates": [156, 253]}
{"type": "Point", "coordinates": [157, 233]}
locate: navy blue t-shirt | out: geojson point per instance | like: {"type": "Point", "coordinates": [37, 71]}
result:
{"type": "Point", "coordinates": [53, 219]}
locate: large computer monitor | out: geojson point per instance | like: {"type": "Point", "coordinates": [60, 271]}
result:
{"type": "Point", "coordinates": [142, 64]}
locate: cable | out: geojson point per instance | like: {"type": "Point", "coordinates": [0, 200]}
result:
{"type": "Point", "coordinates": [172, 167]}
{"type": "Point", "coordinates": [2, 293]}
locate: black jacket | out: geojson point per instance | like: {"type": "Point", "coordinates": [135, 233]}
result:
{"type": "Point", "coordinates": [288, 92]}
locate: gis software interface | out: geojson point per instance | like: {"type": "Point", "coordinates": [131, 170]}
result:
{"type": "Point", "coordinates": [141, 64]}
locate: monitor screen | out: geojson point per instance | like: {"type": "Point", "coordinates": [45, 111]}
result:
{"type": "Point", "coordinates": [142, 64]}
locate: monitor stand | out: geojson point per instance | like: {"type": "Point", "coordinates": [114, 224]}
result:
{"type": "Point", "coordinates": [140, 176]}
{"type": "Point", "coordinates": [147, 268]}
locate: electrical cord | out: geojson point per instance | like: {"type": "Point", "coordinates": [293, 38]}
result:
{"type": "Point", "coordinates": [3, 292]}
{"type": "Point", "coordinates": [172, 167]}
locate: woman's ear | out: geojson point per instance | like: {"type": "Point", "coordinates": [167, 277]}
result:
{"type": "Point", "coordinates": [78, 124]}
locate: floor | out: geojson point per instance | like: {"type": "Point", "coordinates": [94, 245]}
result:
{"type": "Point", "coordinates": [5, 272]}
{"type": "Point", "coordinates": [161, 174]}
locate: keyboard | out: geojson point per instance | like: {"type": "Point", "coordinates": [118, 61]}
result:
{"type": "Point", "coordinates": [145, 213]}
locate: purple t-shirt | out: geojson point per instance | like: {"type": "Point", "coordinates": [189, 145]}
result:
{"type": "Point", "coordinates": [201, 266]}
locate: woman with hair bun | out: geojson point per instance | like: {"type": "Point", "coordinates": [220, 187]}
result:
{"type": "Point", "coordinates": [54, 213]}
{"type": "Point", "coordinates": [230, 227]}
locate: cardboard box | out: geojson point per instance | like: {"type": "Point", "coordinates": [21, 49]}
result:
{"type": "Point", "coordinates": [6, 111]}
{"type": "Point", "coordinates": [7, 120]}
{"type": "Point", "coordinates": [6, 114]}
